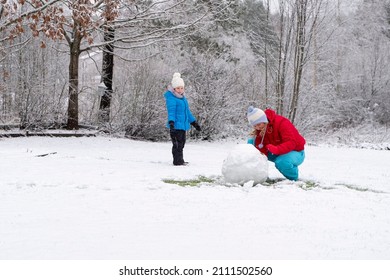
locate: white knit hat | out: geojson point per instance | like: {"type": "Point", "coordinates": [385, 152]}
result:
{"type": "Point", "coordinates": [256, 116]}
{"type": "Point", "coordinates": [177, 81]}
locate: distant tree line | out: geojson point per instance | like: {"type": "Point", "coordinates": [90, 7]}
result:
{"type": "Point", "coordinates": [106, 64]}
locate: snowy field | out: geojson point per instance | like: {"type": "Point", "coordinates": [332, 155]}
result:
{"type": "Point", "coordinates": [105, 198]}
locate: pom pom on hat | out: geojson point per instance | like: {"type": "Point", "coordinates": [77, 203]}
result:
{"type": "Point", "coordinates": [177, 81]}
{"type": "Point", "coordinates": [256, 116]}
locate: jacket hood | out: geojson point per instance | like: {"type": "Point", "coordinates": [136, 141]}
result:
{"type": "Point", "coordinates": [170, 88]}
{"type": "Point", "coordinates": [270, 115]}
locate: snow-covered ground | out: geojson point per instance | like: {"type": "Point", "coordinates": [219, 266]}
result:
{"type": "Point", "coordinates": [105, 198]}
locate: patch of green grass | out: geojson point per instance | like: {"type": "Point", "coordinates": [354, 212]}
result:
{"type": "Point", "coordinates": [270, 182]}
{"type": "Point", "coordinates": [311, 184]}
{"type": "Point", "coordinates": [190, 182]}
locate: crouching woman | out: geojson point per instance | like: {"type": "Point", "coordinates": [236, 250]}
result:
{"type": "Point", "coordinates": [277, 138]}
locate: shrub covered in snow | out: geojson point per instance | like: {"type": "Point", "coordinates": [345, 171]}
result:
{"type": "Point", "coordinates": [245, 163]}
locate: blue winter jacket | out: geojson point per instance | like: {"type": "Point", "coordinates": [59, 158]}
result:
{"type": "Point", "coordinates": [178, 111]}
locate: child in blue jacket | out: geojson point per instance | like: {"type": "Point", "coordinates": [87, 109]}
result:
{"type": "Point", "coordinates": [179, 117]}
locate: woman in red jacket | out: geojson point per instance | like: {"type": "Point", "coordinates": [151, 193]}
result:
{"type": "Point", "coordinates": [277, 138]}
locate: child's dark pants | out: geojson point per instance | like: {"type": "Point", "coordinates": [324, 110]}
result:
{"type": "Point", "coordinates": [178, 138]}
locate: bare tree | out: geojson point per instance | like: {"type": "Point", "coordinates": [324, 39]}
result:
{"type": "Point", "coordinates": [297, 24]}
{"type": "Point", "coordinates": [110, 13]}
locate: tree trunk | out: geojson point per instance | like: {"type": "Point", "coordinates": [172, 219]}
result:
{"type": "Point", "coordinates": [279, 77]}
{"type": "Point", "coordinates": [286, 23]}
{"type": "Point", "coordinates": [107, 75]}
{"type": "Point", "coordinates": [73, 102]}
{"type": "Point", "coordinates": [298, 56]}
{"type": "Point", "coordinates": [266, 59]}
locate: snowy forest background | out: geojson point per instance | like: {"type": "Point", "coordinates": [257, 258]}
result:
{"type": "Point", "coordinates": [324, 64]}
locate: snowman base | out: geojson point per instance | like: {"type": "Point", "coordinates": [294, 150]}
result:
{"type": "Point", "coordinates": [245, 164]}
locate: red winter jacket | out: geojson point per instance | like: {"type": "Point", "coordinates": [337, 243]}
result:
{"type": "Point", "coordinates": [282, 134]}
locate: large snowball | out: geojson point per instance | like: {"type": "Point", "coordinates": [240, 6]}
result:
{"type": "Point", "coordinates": [245, 163]}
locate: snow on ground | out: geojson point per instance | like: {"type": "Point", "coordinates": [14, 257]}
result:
{"type": "Point", "coordinates": [104, 198]}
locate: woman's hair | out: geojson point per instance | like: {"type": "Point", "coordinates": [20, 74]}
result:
{"type": "Point", "coordinates": [254, 132]}
{"type": "Point", "coordinates": [265, 129]}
